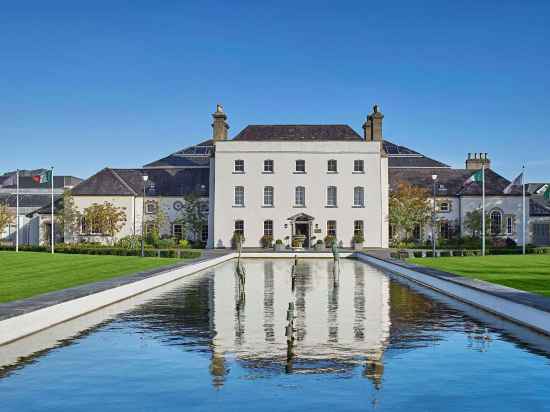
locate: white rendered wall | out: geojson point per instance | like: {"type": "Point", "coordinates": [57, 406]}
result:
{"type": "Point", "coordinates": [315, 180]}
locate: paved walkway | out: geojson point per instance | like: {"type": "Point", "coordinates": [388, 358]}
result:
{"type": "Point", "coordinates": [20, 307]}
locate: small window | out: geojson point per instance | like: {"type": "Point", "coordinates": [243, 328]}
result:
{"type": "Point", "coordinates": [359, 166]}
{"type": "Point", "coordinates": [239, 166]}
{"type": "Point", "coordinates": [204, 233]}
{"type": "Point", "coordinates": [300, 166]}
{"type": "Point", "coordinates": [358, 197]}
{"type": "Point", "coordinates": [177, 231]}
{"type": "Point", "coordinates": [331, 228]}
{"type": "Point", "coordinates": [496, 222]}
{"type": "Point", "coordinates": [268, 196]}
{"type": "Point", "coordinates": [239, 196]}
{"type": "Point", "coordinates": [358, 228]}
{"type": "Point", "coordinates": [268, 227]}
{"type": "Point", "coordinates": [510, 225]}
{"type": "Point", "coordinates": [268, 166]}
{"type": "Point", "coordinates": [332, 196]}
{"type": "Point", "coordinates": [332, 166]}
{"type": "Point", "coordinates": [239, 227]}
{"type": "Point", "coordinates": [150, 207]}
{"type": "Point", "coordinates": [444, 207]}
{"type": "Point", "coordinates": [300, 196]}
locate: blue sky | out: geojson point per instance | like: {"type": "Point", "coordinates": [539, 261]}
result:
{"type": "Point", "coordinates": [86, 85]}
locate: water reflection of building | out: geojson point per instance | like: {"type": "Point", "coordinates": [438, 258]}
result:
{"type": "Point", "coordinates": [340, 321]}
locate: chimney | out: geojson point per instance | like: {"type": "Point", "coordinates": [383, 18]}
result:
{"type": "Point", "coordinates": [373, 126]}
{"type": "Point", "coordinates": [476, 160]}
{"type": "Point", "coordinates": [219, 126]}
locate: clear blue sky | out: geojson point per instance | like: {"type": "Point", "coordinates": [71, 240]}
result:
{"type": "Point", "coordinates": [84, 85]}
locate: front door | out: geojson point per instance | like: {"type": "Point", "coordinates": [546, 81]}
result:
{"type": "Point", "coordinates": [303, 229]}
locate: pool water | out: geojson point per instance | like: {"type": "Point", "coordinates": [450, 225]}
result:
{"type": "Point", "coordinates": [363, 340]}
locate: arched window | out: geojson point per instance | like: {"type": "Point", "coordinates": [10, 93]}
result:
{"type": "Point", "coordinates": [332, 196]}
{"type": "Point", "coordinates": [358, 196]}
{"type": "Point", "coordinates": [496, 222]}
{"type": "Point", "coordinates": [300, 196]}
{"type": "Point", "coordinates": [239, 196]}
{"type": "Point", "coordinates": [332, 166]}
{"type": "Point", "coordinates": [268, 196]}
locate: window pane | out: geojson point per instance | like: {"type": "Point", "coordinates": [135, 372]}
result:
{"type": "Point", "coordinates": [331, 196]}
{"type": "Point", "coordinates": [496, 222]}
{"type": "Point", "coordinates": [300, 198]}
{"type": "Point", "coordinates": [358, 227]}
{"type": "Point", "coordinates": [358, 196]}
{"type": "Point", "coordinates": [300, 165]}
{"type": "Point", "coordinates": [239, 166]}
{"type": "Point", "coordinates": [239, 196]}
{"type": "Point", "coordinates": [358, 166]}
{"type": "Point", "coordinates": [268, 166]}
{"type": "Point", "coordinates": [239, 226]}
{"type": "Point", "coordinates": [332, 166]}
{"type": "Point", "coordinates": [268, 227]}
{"type": "Point", "coordinates": [331, 228]}
{"type": "Point", "coordinates": [268, 196]}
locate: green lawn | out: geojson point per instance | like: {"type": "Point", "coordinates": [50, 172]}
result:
{"type": "Point", "coordinates": [27, 274]}
{"type": "Point", "coordinates": [530, 272]}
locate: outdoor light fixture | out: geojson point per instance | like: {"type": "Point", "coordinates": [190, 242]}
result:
{"type": "Point", "coordinates": [145, 178]}
{"type": "Point", "coordinates": [434, 179]}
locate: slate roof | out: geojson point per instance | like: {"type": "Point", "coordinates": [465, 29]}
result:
{"type": "Point", "coordinates": [298, 132]}
{"type": "Point", "coordinates": [129, 182]}
{"type": "Point", "coordinates": [401, 156]}
{"type": "Point", "coordinates": [27, 200]}
{"type": "Point", "coordinates": [26, 182]}
{"type": "Point", "coordinates": [451, 181]}
{"type": "Point", "coordinates": [192, 156]}
{"type": "Point", "coordinates": [538, 206]}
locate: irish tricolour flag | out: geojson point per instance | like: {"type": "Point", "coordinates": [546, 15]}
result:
{"type": "Point", "coordinates": [44, 177]}
{"type": "Point", "coordinates": [476, 177]}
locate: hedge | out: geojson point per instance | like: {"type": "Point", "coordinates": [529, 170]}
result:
{"type": "Point", "coordinates": [166, 253]}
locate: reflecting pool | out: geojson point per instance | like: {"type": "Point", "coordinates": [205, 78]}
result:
{"type": "Point", "coordinates": [362, 340]}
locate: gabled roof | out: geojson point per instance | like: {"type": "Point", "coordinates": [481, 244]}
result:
{"type": "Point", "coordinates": [27, 200]}
{"type": "Point", "coordinates": [401, 156]}
{"type": "Point", "coordinates": [297, 132]}
{"type": "Point", "coordinates": [192, 156]}
{"type": "Point", "coordinates": [161, 182]}
{"type": "Point", "coordinates": [451, 182]}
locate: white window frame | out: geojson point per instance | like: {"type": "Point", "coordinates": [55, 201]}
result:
{"type": "Point", "coordinates": [357, 162]}
{"type": "Point", "coordinates": [445, 209]}
{"type": "Point", "coordinates": [332, 166]}
{"type": "Point", "coordinates": [268, 231]}
{"type": "Point", "coordinates": [332, 196]}
{"type": "Point", "coordinates": [238, 196]}
{"type": "Point", "coordinates": [358, 201]}
{"type": "Point", "coordinates": [496, 211]}
{"type": "Point", "coordinates": [174, 230]}
{"type": "Point", "coordinates": [239, 230]}
{"type": "Point", "coordinates": [300, 196]}
{"type": "Point", "coordinates": [296, 169]}
{"type": "Point", "coordinates": [269, 166]}
{"type": "Point", "coordinates": [358, 227]}
{"type": "Point", "coordinates": [150, 207]}
{"type": "Point", "coordinates": [238, 166]}
{"type": "Point", "coordinates": [332, 231]}
{"type": "Point", "coordinates": [509, 225]}
{"type": "Point", "coordinates": [269, 196]}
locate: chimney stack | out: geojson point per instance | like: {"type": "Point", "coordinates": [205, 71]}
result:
{"type": "Point", "coordinates": [219, 126]}
{"type": "Point", "coordinates": [477, 161]}
{"type": "Point", "coordinates": [373, 125]}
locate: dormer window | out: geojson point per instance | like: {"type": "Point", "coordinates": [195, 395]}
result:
{"type": "Point", "coordinates": [239, 166]}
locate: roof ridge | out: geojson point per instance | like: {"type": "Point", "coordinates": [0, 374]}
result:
{"type": "Point", "coordinates": [122, 180]}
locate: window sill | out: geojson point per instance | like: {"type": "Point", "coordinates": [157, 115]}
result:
{"type": "Point", "coordinates": [299, 206]}
{"type": "Point", "coordinates": [268, 206]}
{"type": "Point", "coordinates": [268, 173]}
{"type": "Point", "coordinates": [238, 173]}
{"type": "Point", "coordinates": [330, 207]}
{"type": "Point", "coordinates": [357, 173]}
{"type": "Point", "coordinates": [238, 205]}
{"type": "Point", "coordinates": [358, 206]}
{"type": "Point", "coordinates": [332, 173]}
{"type": "Point", "coordinates": [300, 173]}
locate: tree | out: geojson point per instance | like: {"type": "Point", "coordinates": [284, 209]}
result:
{"type": "Point", "coordinates": [155, 223]}
{"type": "Point", "coordinates": [193, 218]}
{"type": "Point", "coordinates": [105, 219]}
{"type": "Point", "coordinates": [408, 207]}
{"type": "Point", "coordinates": [69, 218]}
{"type": "Point", "coordinates": [472, 222]}
{"type": "Point", "coordinates": [6, 217]}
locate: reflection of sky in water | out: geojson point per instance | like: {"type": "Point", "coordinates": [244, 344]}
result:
{"type": "Point", "coordinates": [363, 341]}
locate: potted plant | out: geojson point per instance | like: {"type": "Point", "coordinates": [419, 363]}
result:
{"type": "Point", "coordinates": [319, 245]}
{"type": "Point", "coordinates": [298, 241]}
{"type": "Point", "coordinates": [358, 240]}
{"type": "Point", "coordinates": [266, 241]}
{"type": "Point", "coordinates": [279, 246]}
{"type": "Point", "coordinates": [329, 240]}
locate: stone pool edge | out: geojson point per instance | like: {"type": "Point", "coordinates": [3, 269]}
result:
{"type": "Point", "coordinates": [518, 306]}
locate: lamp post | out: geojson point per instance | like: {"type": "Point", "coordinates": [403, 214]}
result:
{"type": "Point", "coordinates": [145, 178]}
{"type": "Point", "coordinates": [434, 180]}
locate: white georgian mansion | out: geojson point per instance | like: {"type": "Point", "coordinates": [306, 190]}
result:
{"type": "Point", "coordinates": [311, 181]}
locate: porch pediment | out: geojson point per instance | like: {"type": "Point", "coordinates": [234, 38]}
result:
{"type": "Point", "coordinates": [301, 217]}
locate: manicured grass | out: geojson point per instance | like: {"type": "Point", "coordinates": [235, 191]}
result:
{"type": "Point", "coordinates": [530, 272]}
{"type": "Point", "coordinates": [27, 274]}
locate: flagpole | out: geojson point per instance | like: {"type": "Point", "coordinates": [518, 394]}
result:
{"type": "Point", "coordinates": [483, 210]}
{"type": "Point", "coordinates": [523, 207]}
{"type": "Point", "coordinates": [17, 213]}
{"type": "Point", "coordinates": [53, 228]}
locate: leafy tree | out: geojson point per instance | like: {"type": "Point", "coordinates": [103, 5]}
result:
{"type": "Point", "coordinates": [6, 217]}
{"type": "Point", "coordinates": [105, 219]}
{"type": "Point", "coordinates": [155, 224]}
{"type": "Point", "coordinates": [408, 207]}
{"type": "Point", "coordinates": [472, 222]}
{"type": "Point", "coordinates": [69, 218]}
{"type": "Point", "coordinates": [193, 219]}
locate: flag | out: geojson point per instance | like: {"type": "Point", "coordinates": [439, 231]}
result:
{"type": "Point", "coordinates": [44, 177]}
{"type": "Point", "coordinates": [518, 181]}
{"type": "Point", "coordinates": [476, 177]}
